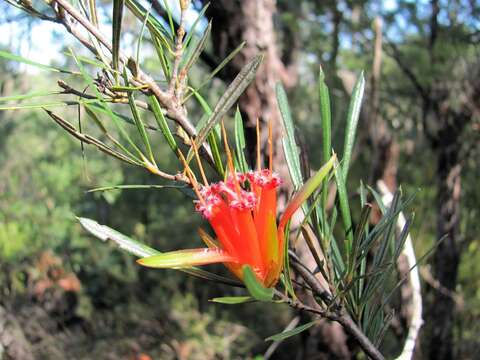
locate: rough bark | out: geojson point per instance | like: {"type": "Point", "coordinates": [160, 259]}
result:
{"type": "Point", "coordinates": [447, 255]}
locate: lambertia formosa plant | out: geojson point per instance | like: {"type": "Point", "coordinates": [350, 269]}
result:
{"type": "Point", "coordinates": [355, 273]}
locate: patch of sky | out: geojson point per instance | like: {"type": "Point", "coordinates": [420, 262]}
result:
{"type": "Point", "coordinates": [44, 41]}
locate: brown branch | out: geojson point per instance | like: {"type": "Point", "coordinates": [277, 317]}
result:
{"type": "Point", "coordinates": [396, 55]}
{"type": "Point", "coordinates": [175, 110]}
{"type": "Point", "coordinates": [338, 314]}
{"type": "Point", "coordinates": [174, 81]}
{"type": "Point", "coordinates": [67, 89]}
{"type": "Point", "coordinates": [364, 342]}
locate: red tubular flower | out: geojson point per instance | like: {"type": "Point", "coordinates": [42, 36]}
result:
{"type": "Point", "coordinates": [242, 212]}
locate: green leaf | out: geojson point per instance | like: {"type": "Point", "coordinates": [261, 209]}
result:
{"type": "Point", "coordinates": [344, 211]}
{"type": "Point", "coordinates": [140, 38]}
{"type": "Point", "coordinates": [9, 56]}
{"type": "Point", "coordinates": [116, 32]}
{"type": "Point", "coordinates": [164, 61]}
{"type": "Point", "coordinates": [170, 19]}
{"type": "Point", "coordinates": [140, 126]}
{"type": "Point", "coordinates": [154, 26]}
{"type": "Point", "coordinates": [289, 144]}
{"type": "Point", "coordinates": [326, 121]}
{"type": "Point", "coordinates": [286, 334]}
{"type": "Point", "coordinates": [306, 190]}
{"type": "Point", "coordinates": [254, 287]}
{"type": "Point", "coordinates": [191, 31]}
{"type": "Point", "coordinates": [124, 187]}
{"type": "Point", "coordinates": [221, 65]}
{"type": "Point", "coordinates": [230, 96]}
{"type": "Point", "coordinates": [192, 56]}
{"type": "Point", "coordinates": [213, 137]}
{"type": "Point", "coordinates": [29, 96]}
{"type": "Point", "coordinates": [358, 236]}
{"type": "Point", "coordinates": [162, 123]}
{"type": "Point", "coordinates": [124, 242]}
{"type": "Point", "coordinates": [240, 142]}
{"type": "Point", "coordinates": [186, 258]}
{"type": "Point", "coordinates": [138, 249]}
{"type": "Point", "coordinates": [90, 140]}
{"type": "Point", "coordinates": [48, 104]}
{"type": "Point", "coordinates": [352, 122]}
{"type": "Point", "coordinates": [101, 102]}
{"type": "Point", "coordinates": [232, 300]}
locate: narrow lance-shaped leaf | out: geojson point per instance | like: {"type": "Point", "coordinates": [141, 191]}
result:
{"type": "Point", "coordinates": [162, 123]}
{"type": "Point", "coordinates": [240, 142]}
{"type": "Point", "coordinates": [116, 32]}
{"type": "Point", "coordinates": [123, 187]}
{"type": "Point", "coordinates": [326, 122]}
{"type": "Point", "coordinates": [357, 238]}
{"type": "Point", "coordinates": [140, 126]}
{"type": "Point", "coordinates": [289, 144]}
{"type": "Point", "coordinates": [286, 334]}
{"type": "Point", "coordinates": [138, 249]}
{"type": "Point", "coordinates": [140, 38]}
{"type": "Point", "coordinates": [170, 18]}
{"type": "Point", "coordinates": [232, 300]}
{"type": "Point", "coordinates": [186, 258]}
{"type": "Point", "coordinates": [220, 67]}
{"type": "Point", "coordinates": [192, 29]}
{"type": "Point", "coordinates": [29, 96]}
{"type": "Point", "coordinates": [214, 137]}
{"type": "Point", "coordinates": [352, 122]}
{"type": "Point", "coordinates": [344, 211]}
{"type": "Point", "coordinates": [20, 59]}
{"type": "Point", "coordinates": [305, 191]}
{"type": "Point", "coordinates": [124, 242]}
{"type": "Point", "coordinates": [230, 96]}
{"type": "Point", "coordinates": [193, 55]}
{"type": "Point", "coordinates": [48, 104]}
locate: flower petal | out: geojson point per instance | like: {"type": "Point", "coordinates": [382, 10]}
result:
{"type": "Point", "coordinates": [186, 258]}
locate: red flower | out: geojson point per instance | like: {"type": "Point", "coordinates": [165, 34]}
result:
{"type": "Point", "coordinates": [242, 211]}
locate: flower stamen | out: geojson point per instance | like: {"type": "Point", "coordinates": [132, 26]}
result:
{"type": "Point", "coordinates": [191, 177]}
{"type": "Point", "coordinates": [258, 145]}
{"type": "Point", "coordinates": [231, 167]}
{"type": "Point", "coordinates": [197, 157]}
{"type": "Point", "coordinates": [270, 147]}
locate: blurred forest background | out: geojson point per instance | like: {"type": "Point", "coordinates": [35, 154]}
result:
{"type": "Point", "coordinates": [65, 295]}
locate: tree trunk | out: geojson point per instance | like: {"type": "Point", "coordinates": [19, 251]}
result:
{"type": "Point", "coordinates": [447, 255]}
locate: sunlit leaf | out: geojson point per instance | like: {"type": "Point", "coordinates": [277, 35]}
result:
{"type": "Point", "coordinates": [232, 300]}
{"type": "Point", "coordinates": [186, 258]}
{"type": "Point", "coordinates": [286, 334]}
{"type": "Point", "coordinates": [230, 96]}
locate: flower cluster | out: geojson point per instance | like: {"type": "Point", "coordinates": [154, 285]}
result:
{"type": "Point", "coordinates": [242, 212]}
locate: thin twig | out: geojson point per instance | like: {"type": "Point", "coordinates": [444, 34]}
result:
{"type": "Point", "coordinates": [67, 89]}
{"type": "Point", "coordinates": [174, 85]}
{"type": "Point", "coordinates": [175, 110]}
